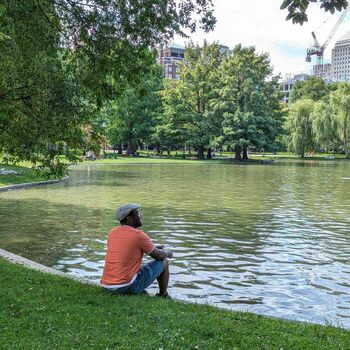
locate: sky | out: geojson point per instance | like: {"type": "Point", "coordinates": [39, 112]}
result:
{"type": "Point", "coordinates": [262, 24]}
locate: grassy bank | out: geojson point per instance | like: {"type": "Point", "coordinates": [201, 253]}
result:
{"type": "Point", "coordinates": [39, 311]}
{"type": "Point", "coordinates": [227, 158]}
{"type": "Point", "coordinates": [28, 175]}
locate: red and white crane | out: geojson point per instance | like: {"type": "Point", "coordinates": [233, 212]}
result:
{"type": "Point", "coordinates": [318, 49]}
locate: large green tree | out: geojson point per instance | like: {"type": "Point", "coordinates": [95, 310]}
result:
{"type": "Point", "coordinates": [133, 116]}
{"type": "Point", "coordinates": [61, 59]}
{"type": "Point", "coordinates": [189, 103]}
{"type": "Point", "coordinates": [324, 126]}
{"type": "Point", "coordinates": [340, 102]}
{"type": "Point", "coordinates": [41, 103]}
{"type": "Point", "coordinates": [249, 101]}
{"type": "Point", "coordinates": [112, 38]}
{"type": "Point", "coordinates": [299, 127]}
{"type": "Point", "coordinates": [313, 88]}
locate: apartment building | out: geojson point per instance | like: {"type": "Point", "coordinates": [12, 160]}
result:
{"type": "Point", "coordinates": [341, 59]}
{"type": "Point", "coordinates": [286, 85]}
{"type": "Point", "coordinates": [169, 57]}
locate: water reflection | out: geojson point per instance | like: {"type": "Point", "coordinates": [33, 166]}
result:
{"type": "Point", "coordinates": [268, 239]}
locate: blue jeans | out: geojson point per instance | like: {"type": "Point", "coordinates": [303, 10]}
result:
{"type": "Point", "coordinates": [145, 277]}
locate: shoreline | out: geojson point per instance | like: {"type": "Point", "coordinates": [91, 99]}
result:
{"type": "Point", "coordinates": [31, 184]}
{"type": "Point", "coordinates": [20, 260]}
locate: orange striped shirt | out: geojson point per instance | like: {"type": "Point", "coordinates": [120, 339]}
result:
{"type": "Point", "coordinates": [125, 249]}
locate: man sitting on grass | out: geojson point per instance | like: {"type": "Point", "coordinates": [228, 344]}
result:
{"type": "Point", "coordinates": [126, 245]}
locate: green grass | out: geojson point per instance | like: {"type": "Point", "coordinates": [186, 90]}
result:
{"type": "Point", "coordinates": [40, 311]}
{"type": "Point", "coordinates": [28, 175]}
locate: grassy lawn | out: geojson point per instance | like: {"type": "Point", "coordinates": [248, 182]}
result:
{"type": "Point", "coordinates": [27, 176]}
{"type": "Point", "coordinates": [40, 311]}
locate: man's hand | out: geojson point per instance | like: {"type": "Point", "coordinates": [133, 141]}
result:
{"type": "Point", "coordinates": [169, 252]}
{"type": "Point", "coordinates": [161, 254]}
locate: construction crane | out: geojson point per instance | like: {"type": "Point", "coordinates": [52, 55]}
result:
{"type": "Point", "coordinates": [318, 49]}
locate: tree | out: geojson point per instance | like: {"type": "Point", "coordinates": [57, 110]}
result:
{"type": "Point", "coordinates": [313, 88]}
{"type": "Point", "coordinates": [297, 8]}
{"type": "Point", "coordinates": [112, 38]}
{"type": "Point", "coordinates": [324, 125]}
{"type": "Point", "coordinates": [249, 101]}
{"type": "Point", "coordinates": [41, 104]}
{"type": "Point", "coordinates": [299, 126]}
{"type": "Point", "coordinates": [61, 60]}
{"type": "Point", "coordinates": [340, 102]}
{"type": "Point", "coordinates": [189, 102]}
{"type": "Point", "coordinates": [132, 117]}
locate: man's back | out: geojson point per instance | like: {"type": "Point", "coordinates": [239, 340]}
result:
{"type": "Point", "coordinates": [125, 248]}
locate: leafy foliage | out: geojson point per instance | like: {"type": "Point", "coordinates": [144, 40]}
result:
{"type": "Point", "coordinates": [324, 126]}
{"type": "Point", "coordinates": [189, 103]}
{"type": "Point", "coordinates": [132, 116]}
{"type": "Point", "coordinates": [41, 107]}
{"type": "Point", "coordinates": [299, 125]}
{"type": "Point", "coordinates": [313, 88]}
{"type": "Point", "coordinates": [62, 59]}
{"type": "Point", "coordinates": [297, 8]}
{"type": "Point", "coordinates": [340, 102]}
{"type": "Point", "coordinates": [249, 99]}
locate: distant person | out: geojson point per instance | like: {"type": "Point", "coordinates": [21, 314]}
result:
{"type": "Point", "coordinates": [123, 272]}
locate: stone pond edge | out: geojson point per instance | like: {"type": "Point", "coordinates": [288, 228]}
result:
{"type": "Point", "coordinates": [31, 184]}
{"type": "Point", "coordinates": [17, 259]}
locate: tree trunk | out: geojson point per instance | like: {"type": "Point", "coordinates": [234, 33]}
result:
{"type": "Point", "coordinates": [346, 149]}
{"type": "Point", "coordinates": [131, 148]}
{"type": "Point", "coordinates": [238, 153]}
{"type": "Point", "coordinates": [209, 153]}
{"type": "Point", "coordinates": [245, 153]}
{"type": "Point", "coordinates": [120, 149]}
{"type": "Point", "coordinates": [200, 153]}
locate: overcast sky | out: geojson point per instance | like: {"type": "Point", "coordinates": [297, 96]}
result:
{"type": "Point", "coordinates": [261, 23]}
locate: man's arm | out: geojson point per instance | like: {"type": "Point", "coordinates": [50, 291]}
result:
{"type": "Point", "coordinates": [160, 254]}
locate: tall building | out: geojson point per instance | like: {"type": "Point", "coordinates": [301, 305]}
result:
{"type": "Point", "coordinates": [286, 85]}
{"type": "Point", "coordinates": [323, 71]}
{"type": "Point", "coordinates": [169, 56]}
{"type": "Point", "coordinates": [341, 59]}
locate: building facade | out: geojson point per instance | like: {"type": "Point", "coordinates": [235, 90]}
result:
{"type": "Point", "coordinates": [169, 57]}
{"type": "Point", "coordinates": [341, 59]}
{"type": "Point", "coordinates": [286, 85]}
{"type": "Point", "coordinates": [323, 71]}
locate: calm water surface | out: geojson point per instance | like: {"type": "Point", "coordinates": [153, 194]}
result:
{"type": "Point", "coordinates": [271, 239]}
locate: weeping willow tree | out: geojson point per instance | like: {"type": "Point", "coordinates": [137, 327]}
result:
{"type": "Point", "coordinates": [325, 126]}
{"type": "Point", "coordinates": [340, 102]}
{"type": "Point", "coordinates": [299, 127]}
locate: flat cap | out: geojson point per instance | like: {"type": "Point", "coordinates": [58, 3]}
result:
{"type": "Point", "coordinates": [124, 210]}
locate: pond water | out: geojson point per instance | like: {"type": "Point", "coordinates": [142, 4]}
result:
{"type": "Point", "coordinates": [271, 239]}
